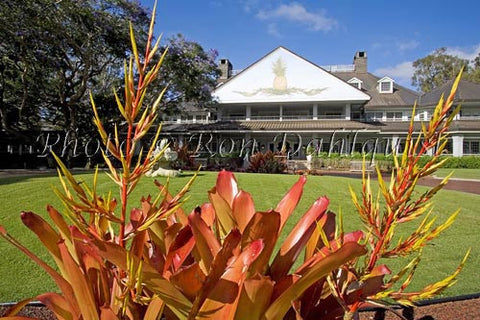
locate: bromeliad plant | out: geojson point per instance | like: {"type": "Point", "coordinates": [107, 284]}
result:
{"type": "Point", "coordinates": [220, 261]}
{"type": "Point", "coordinates": [364, 281]}
{"type": "Point", "coordinates": [155, 260]}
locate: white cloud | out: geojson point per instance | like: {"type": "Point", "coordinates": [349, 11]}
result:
{"type": "Point", "coordinates": [273, 30]}
{"type": "Point", "coordinates": [249, 5]}
{"type": "Point", "coordinates": [407, 45]}
{"type": "Point", "coordinates": [295, 12]}
{"type": "Point", "coordinates": [464, 53]}
{"type": "Point", "coordinates": [401, 73]}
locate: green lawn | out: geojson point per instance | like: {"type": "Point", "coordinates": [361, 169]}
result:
{"type": "Point", "coordinates": [22, 278]}
{"type": "Point", "coordinates": [460, 173]}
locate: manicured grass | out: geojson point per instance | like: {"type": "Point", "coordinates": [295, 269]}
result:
{"type": "Point", "coordinates": [22, 278]}
{"type": "Point", "coordinates": [460, 173]}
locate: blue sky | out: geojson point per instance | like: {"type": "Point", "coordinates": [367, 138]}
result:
{"type": "Point", "coordinates": [326, 32]}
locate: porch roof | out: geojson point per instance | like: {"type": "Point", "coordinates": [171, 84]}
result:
{"type": "Point", "coordinates": [387, 127]}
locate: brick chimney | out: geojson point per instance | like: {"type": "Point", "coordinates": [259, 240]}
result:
{"type": "Point", "coordinates": [360, 62]}
{"type": "Point", "coordinates": [225, 68]}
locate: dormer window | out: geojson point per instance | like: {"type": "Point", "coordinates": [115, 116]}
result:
{"type": "Point", "coordinates": [357, 83]}
{"type": "Point", "coordinates": [385, 85]}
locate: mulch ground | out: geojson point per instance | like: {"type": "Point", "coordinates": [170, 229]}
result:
{"type": "Point", "coordinates": [458, 310]}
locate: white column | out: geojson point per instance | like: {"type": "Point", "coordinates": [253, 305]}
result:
{"type": "Point", "coordinates": [281, 112]}
{"type": "Point", "coordinates": [248, 112]}
{"type": "Point", "coordinates": [315, 111]}
{"type": "Point", "coordinates": [347, 111]}
{"type": "Point", "coordinates": [457, 142]}
{"type": "Point", "coordinates": [395, 144]}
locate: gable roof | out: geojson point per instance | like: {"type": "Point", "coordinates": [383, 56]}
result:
{"type": "Point", "coordinates": [401, 96]}
{"type": "Point", "coordinates": [283, 76]}
{"type": "Point", "coordinates": [466, 91]}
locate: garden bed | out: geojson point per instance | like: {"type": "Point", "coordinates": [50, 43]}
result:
{"type": "Point", "coordinates": [443, 309]}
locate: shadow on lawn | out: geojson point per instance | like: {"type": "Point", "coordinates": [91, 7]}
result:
{"type": "Point", "coordinates": [11, 176]}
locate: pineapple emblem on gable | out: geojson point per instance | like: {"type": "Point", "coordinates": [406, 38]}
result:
{"type": "Point", "coordinates": [280, 85]}
{"type": "Point", "coordinates": [280, 80]}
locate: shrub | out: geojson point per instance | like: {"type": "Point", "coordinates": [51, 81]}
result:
{"type": "Point", "coordinates": [465, 162]}
{"type": "Point", "coordinates": [267, 162]}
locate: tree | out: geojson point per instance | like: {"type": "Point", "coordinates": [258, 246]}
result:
{"type": "Point", "coordinates": [190, 73]}
{"type": "Point", "coordinates": [54, 52]}
{"type": "Point", "coordinates": [437, 68]}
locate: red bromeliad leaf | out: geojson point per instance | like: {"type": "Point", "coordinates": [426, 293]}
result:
{"type": "Point", "coordinates": [179, 214]}
{"type": "Point", "coordinates": [58, 305]}
{"type": "Point", "coordinates": [62, 284]}
{"type": "Point", "coordinates": [155, 308]}
{"type": "Point", "coordinates": [222, 301]}
{"type": "Point", "coordinates": [243, 209]}
{"type": "Point", "coordinates": [223, 213]}
{"type": "Point", "coordinates": [139, 242]}
{"type": "Point", "coordinates": [106, 313]}
{"type": "Point", "coordinates": [370, 286]}
{"type": "Point", "coordinates": [334, 245]}
{"type": "Point", "coordinates": [226, 186]}
{"type": "Point", "coordinates": [168, 233]}
{"type": "Point", "coordinates": [297, 239]}
{"type": "Point", "coordinates": [81, 288]}
{"type": "Point", "coordinates": [176, 301]}
{"type": "Point", "coordinates": [327, 223]}
{"type": "Point", "coordinates": [206, 242]}
{"type": "Point", "coordinates": [255, 297]}
{"type": "Point", "coordinates": [208, 213]}
{"type": "Point", "coordinates": [59, 221]}
{"type": "Point", "coordinates": [218, 266]}
{"type": "Point", "coordinates": [190, 280]}
{"type": "Point", "coordinates": [289, 202]}
{"type": "Point", "coordinates": [44, 232]}
{"type": "Point", "coordinates": [15, 309]}
{"type": "Point", "coordinates": [179, 251]}
{"type": "Point", "coordinates": [283, 284]}
{"type": "Point", "coordinates": [265, 226]}
{"type": "Point", "coordinates": [314, 273]}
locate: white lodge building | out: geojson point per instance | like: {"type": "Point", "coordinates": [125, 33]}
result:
{"type": "Point", "coordinates": [285, 102]}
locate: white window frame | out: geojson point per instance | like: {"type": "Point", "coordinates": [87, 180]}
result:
{"type": "Point", "coordinates": [383, 81]}
{"type": "Point", "coordinates": [357, 83]}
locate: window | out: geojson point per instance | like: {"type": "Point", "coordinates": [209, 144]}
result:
{"type": "Point", "coordinates": [394, 116]}
{"type": "Point", "coordinates": [385, 85]}
{"type": "Point", "coordinates": [357, 83]}
{"type": "Point", "coordinates": [420, 116]}
{"type": "Point", "coordinates": [374, 116]}
{"type": "Point", "coordinates": [471, 147]}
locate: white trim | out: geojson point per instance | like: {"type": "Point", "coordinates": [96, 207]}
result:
{"type": "Point", "coordinates": [357, 83]}
{"type": "Point", "coordinates": [383, 81]}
